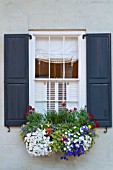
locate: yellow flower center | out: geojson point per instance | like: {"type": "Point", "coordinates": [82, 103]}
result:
{"type": "Point", "coordinates": [89, 126]}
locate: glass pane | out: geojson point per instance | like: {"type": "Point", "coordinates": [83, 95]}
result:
{"type": "Point", "coordinates": [50, 105]}
{"type": "Point", "coordinates": [42, 47]}
{"type": "Point", "coordinates": [71, 70]}
{"type": "Point", "coordinates": [62, 91]}
{"type": "Point", "coordinates": [41, 106]}
{"type": "Point", "coordinates": [56, 70]}
{"type": "Point", "coordinates": [56, 51]}
{"type": "Point", "coordinates": [50, 90]}
{"type": "Point", "coordinates": [41, 69]}
{"type": "Point", "coordinates": [71, 46]}
{"type": "Point", "coordinates": [56, 46]}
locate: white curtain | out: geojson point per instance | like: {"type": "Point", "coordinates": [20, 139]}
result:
{"type": "Point", "coordinates": [56, 49]}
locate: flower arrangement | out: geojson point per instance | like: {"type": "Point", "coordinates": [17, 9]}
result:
{"type": "Point", "coordinates": [71, 132]}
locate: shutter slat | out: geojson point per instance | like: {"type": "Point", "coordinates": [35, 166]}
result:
{"type": "Point", "coordinates": [99, 77]}
{"type": "Point", "coordinates": [16, 78]}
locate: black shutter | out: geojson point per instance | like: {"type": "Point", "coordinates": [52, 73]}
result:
{"type": "Point", "coordinates": [16, 78]}
{"type": "Point", "coordinates": [98, 53]}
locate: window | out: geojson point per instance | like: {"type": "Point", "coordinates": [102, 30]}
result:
{"type": "Point", "coordinates": [56, 59]}
{"type": "Point", "coordinates": [39, 87]}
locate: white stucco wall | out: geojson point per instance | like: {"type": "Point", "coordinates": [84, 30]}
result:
{"type": "Point", "coordinates": [18, 16]}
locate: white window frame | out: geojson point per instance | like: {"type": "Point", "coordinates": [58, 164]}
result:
{"type": "Point", "coordinates": [82, 64]}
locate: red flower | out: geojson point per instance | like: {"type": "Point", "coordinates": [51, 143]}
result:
{"type": "Point", "coordinates": [49, 130]}
{"type": "Point", "coordinates": [97, 124]}
{"type": "Point", "coordinates": [93, 127]}
{"type": "Point", "coordinates": [26, 114]}
{"type": "Point", "coordinates": [46, 135]}
{"type": "Point", "coordinates": [75, 108]}
{"type": "Point", "coordinates": [63, 104]}
{"type": "Point", "coordinates": [33, 109]}
{"type": "Point", "coordinates": [70, 111]}
{"type": "Point", "coordinates": [90, 118]}
{"type": "Point", "coordinates": [66, 110]}
{"type": "Point", "coordinates": [29, 108]}
{"type": "Point", "coordinates": [30, 112]}
{"type": "Point", "coordinates": [90, 114]}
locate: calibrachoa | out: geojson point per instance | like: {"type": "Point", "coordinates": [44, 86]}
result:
{"type": "Point", "coordinates": [70, 132]}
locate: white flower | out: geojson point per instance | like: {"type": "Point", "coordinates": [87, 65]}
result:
{"type": "Point", "coordinates": [37, 144]}
{"type": "Point", "coordinates": [68, 147]}
{"type": "Point", "coordinates": [81, 130]}
{"type": "Point", "coordinates": [77, 145]}
{"type": "Point", "coordinates": [76, 140]}
{"type": "Point", "coordinates": [81, 137]}
{"type": "Point", "coordinates": [68, 143]}
{"type": "Point", "coordinates": [28, 134]}
{"type": "Point", "coordinates": [34, 134]}
{"type": "Point", "coordinates": [78, 133]}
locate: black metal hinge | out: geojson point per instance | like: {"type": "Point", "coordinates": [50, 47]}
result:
{"type": "Point", "coordinates": [106, 130]}
{"type": "Point", "coordinates": [83, 36]}
{"type": "Point", "coordinates": [8, 129]}
{"type": "Point", "coordinates": [30, 37]}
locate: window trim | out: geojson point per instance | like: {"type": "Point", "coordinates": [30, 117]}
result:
{"type": "Point", "coordinates": [82, 64]}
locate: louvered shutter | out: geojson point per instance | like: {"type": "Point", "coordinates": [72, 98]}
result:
{"type": "Point", "coordinates": [99, 77]}
{"type": "Point", "coordinates": [16, 77]}
{"type": "Point", "coordinates": [41, 96]}
{"type": "Point", "coordinates": [72, 95]}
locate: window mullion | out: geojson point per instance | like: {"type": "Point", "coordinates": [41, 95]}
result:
{"type": "Point", "coordinates": [49, 74]}
{"type": "Point", "coordinates": [63, 68]}
{"type": "Point", "coordinates": [56, 96]}
{"type": "Point", "coordinates": [49, 56]}
{"type": "Point", "coordinates": [63, 58]}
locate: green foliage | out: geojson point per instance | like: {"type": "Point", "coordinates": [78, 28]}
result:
{"type": "Point", "coordinates": [51, 117]}
{"type": "Point", "coordinates": [64, 119]}
{"type": "Point", "coordinates": [35, 119]}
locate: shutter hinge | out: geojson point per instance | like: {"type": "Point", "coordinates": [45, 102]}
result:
{"type": "Point", "coordinates": [8, 128]}
{"type": "Point", "coordinates": [30, 36]}
{"type": "Point", "coordinates": [85, 107]}
{"type": "Point", "coordinates": [83, 36]}
{"type": "Point", "coordinates": [105, 131]}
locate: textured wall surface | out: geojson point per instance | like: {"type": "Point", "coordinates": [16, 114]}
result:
{"type": "Point", "coordinates": [18, 16]}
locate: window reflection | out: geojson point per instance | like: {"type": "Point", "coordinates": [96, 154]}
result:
{"type": "Point", "coordinates": [71, 70]}
{"type": "Point", "coordinates": [56, 70]}
{"type": "Point", "coordinates": [41, 69]}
